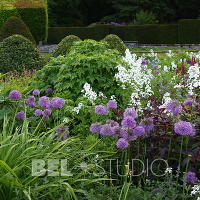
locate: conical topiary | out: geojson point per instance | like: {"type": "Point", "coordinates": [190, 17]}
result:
{"type": "Point", "coordinates": [13, 26]}
{"type": "Point", "coordinates": [18, 54]}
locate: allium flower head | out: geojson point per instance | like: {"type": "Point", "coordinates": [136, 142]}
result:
{"type": "Point", "coordinates": [20, 115]}
{"type": "Point", "coordinates": [31, 101]}
{"type": "Point", "coordinates": [147, 124]}
{"type": "Point", "coordinates": [114, 125]}
{"type": "Point", "coordinates": [57, 102]}
{"type": "Point", "coordinates": [191, 177]}
{"type": "Point", "coordinates": [95, 127]}
{"type": "Point", "coordinates": [101, 110]}
{"type": "Point", "coordinates": [44, 102]}
{"type": "Point", "coordinates": [188, 102]}
{"type": "Point", "coordinates": [62, 132]}
{"type": "Point", "coordinates": [106, 130]}
{"type": "Point", "coordinates": [124, 133]}
{"type": "Point", "coordinates": [174, 107]}
{"type": "Point", "coordinates": [139, 130]}
{"type": "Point", "coordinates": [131, 112]}
{"type": "Point", "coordinates": [122, 143]}
{"type": "Point", "coordinates": [38, 112]}
{"type": "Point", "coordinates": [184, 128]}
{"type": "Point", "coordinates": [112, 104]}
{"type": "Point", "coordinates": [15, 95]}
{"type": "Point", "coordinates": [46, 112]}
{"type": "Point", "coordinates": [49, 90]}
{"type": "Point", "coordinates": [128, 122]}
{"type": "Point", "coordinates": [36, 92]}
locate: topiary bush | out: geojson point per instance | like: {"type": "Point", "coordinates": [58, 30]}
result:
{"type": "Point", "coordinates": [65, 45]}
{"type": "Point", "coordinates": [17, 54]}
{"type": "Point", "coordinates": [88, 61]}
{"type": "Point", "coordinates": [15, 26]}
{"type": "Point", "coordinates": [115, 42]}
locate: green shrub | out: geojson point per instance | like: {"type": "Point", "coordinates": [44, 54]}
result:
{"type": "Point", "coordinates": [64, 46]}
{"type": "Point", "coordinates": [18, 53]}
{"type": "Point", "coordinates": [15, 26]}
{"type": "Point", "coordinates": [5, 14]}
{"type": "Point", "coordinates": [115, 43]}
{"type": "Point", "coordinates": [144, 17]}
{"type": "Point", "coordinates": [88, 61]}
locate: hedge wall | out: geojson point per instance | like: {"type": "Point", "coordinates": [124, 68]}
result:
{"type": "Point", "coordinates": [152, 34]}
{"type": "Point", "coordinates": [189, 31]}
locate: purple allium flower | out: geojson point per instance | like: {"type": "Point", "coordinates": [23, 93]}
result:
{"type": "Point", "coordinates": [106, 130]}
{"type": "Point", "coordinates": [57, 102]}
{"type": "Point", "coordinates": [20, 115]}
{"type": "Point", "coordinates": [124, 133]}
{"type": "Point", "coordinates": [49, 90]}
{"type": "Point", "coordinates": [128, 122]}
{"type": "Point", "coordinates": [184, 128]}
{"type": "Point", "coordinates": [122, 143]}
{"type": "Point", "coordinates": [131, 112]}
{"type": "Point", "coordinates": [15, 95]}
{"type": "Point", "coordinates": [44, 102]}
{"type": "Point", "coordinates": [145, 62]}
{"type": "Point", "coordinates": [139, 130]}
{"type": "Point", "coordinates": [188, 102]}
{"type": "Point", "coordinates": [46, 112]}
{"type": "Point", "coordinates": [147, 124]}
{"type": "Point", "coordinates": [191, 177]}
{"type": "Point", "coordinates": [112, 104]}
{"type": "Point", "coordinates": [101, 110]}
{"type": "Point", "coordinates": [174, 107]}
{"type": "Point", "coordinates": [186, 76]}
{"type": "Point", "coordinates": [36, 92]}
{"type": "Point", "coordinates": [45, 117]}
{"type": "Point", "coordinates": [62, 132]}
{"type": "Point", "coordinates": [95, 127]}
{"type": "Point", "coordinates": [114, 125]}
{"type": "Point", "coordinates": [38, 112]}
{"type": "Point", "coordinates": [31, 101]}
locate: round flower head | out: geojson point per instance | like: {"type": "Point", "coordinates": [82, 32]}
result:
{"type": "Point", "coordinates": [191, 177]}
{"type": "Point", "coordinates": [184, 128]}
{"type": "Point", "coordinates": [188, 102]}
{"type": "Point", "coordinates": [130, 112]}
{"type": "Point", "coordinates": [124, 133]}
{"type": "Point", "coordinates": [49, 90]}
{"type": "Point", "coordinates": [38, 112]}
{"type": "Point", "coordinates": [128, 122]}
{"type": "Point", "coordinates": [122, 143]}
{"type": "Point", "coordinates": [57, 102]}
{"type": "Point", "coordinates": [106, 130]}
{"type": "Point", "coordinates": [46, 112]}
{"type": "Point", "coordinates": [44, 102]}
{"type": "Point", "coordinates": [139, 130]}
{"type": "Point", "coordinates": [95, 127]}
{"type": "Point", "coordinates": [114, 125]}
{"type": "Point", "coordinates": [36, 92]}
{"type": "Point", "coordinates": [147, 124]}
{"type": "Point", "coordinates": [31, 101]}
{"type": "Point", "coordinates": [20, 115]}
{"type": "Point", "coordinates": [101, 110]}
{"type": "Point", "coordinates": [15, 95]}
{"type": "Point", "coordinates": [112, 104]}
{"type": "Point", "coordinates": [145, 62]}
{"type": "Point", "coordinates": [62, 132]}
{"type": "Point", "coordinates": [174, 107]}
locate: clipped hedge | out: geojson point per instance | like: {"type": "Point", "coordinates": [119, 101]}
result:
{"type": "Point", "coordinates": [189, 31]}
{"type": "Point", "coordinates": [14, 26]}
{"type": "Point", "coordinates": [37, 21]}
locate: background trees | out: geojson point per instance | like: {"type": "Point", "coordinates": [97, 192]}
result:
{"type": "Point", "coordinates": [85, 12]}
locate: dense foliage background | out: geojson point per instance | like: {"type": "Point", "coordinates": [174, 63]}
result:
{"type": "Point", "coordinates": [85, 12]}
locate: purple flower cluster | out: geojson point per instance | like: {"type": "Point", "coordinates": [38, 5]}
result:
{"type": "Point", "coordinates": [57, 102]}
{"type": "Point", "coordinates": [36, 92]}
{"type": "Point", "coordinates": [191, 177]}
{"type": "Point", "coordinates": [147, 124]}
{"type": "Point", "coordinates": [31, 102]}
{"type": "Point", "coordinates": [174, 107]}
{"type": "Point", "coordinates": [15, 95]}
{"type": "Point", "coordinates": [127, 131]}
{"type": "Point", "coordinates": [20, 115]}
{"type": "Point", "coordinates": [184, 128]}
{"type": "Point", "coordinates": [62, 133]}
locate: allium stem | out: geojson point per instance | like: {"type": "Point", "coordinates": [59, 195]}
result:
{"type": "Point", "coordinates": [179, 162]}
